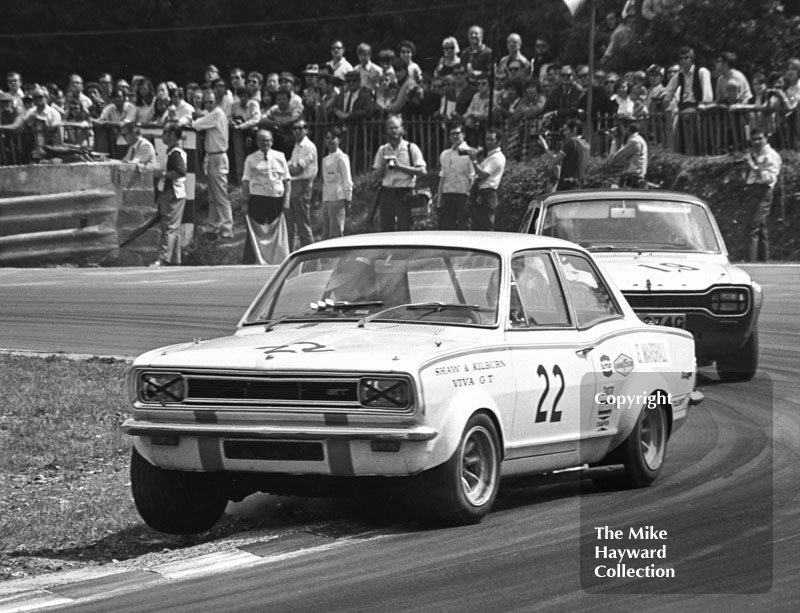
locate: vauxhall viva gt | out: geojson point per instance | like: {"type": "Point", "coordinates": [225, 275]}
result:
{"type": "Point", "coordinates": [438, 362]}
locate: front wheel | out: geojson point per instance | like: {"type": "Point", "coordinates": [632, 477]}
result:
{"type": "Point", "coordinates": [462, 490]}
{"type": "Point", "coordinates": [742, 364]}
{"type": "Point", "coordinates": [642, 453]}
{"type": "Point", "coordinates": [176, 502]}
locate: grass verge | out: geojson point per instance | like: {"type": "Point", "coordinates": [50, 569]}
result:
{"type": "Point", "coordinates": [64, 486]}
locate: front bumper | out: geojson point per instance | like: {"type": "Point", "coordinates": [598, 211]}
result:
{"type": "Point", "coordinates": [246, 431]}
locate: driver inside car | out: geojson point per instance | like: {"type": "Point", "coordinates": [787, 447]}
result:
{"type": "Point", "coordinates": [353, 280]}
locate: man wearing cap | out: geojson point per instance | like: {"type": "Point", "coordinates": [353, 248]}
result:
{"type": "Point", "coordinates": [338, 64]}
{"type": "Point", "coordinates": [215, 125]}
{"type": "Point", "coordinates": [286, 83]}
{"type": "Point", "coordinates": [354, 103]}
{"type": "Point", "coordinates": [140, 150]}
{"type": "Point", "coordinates": [303, 167]}
{"type": "Point", "coordinates": [369, 72]}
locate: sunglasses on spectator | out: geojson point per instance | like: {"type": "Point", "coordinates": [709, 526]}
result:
{"type": "Point", "coordinates": [302, 127]}
{"type": "Point", "coordinates": [337, 47]}
{"type": "Point", "coordinates": [583, 74]}
{"type": "Point", "coordinates": [448, 47]}
{"type": "Point", "coordinates": [684, 57]}
{"type": "Point", "coordinates": [514, 69]}
{"type": "Point", "coordinates": [611, 82]}
{"type": "Point", "coordinates": [566, 74]}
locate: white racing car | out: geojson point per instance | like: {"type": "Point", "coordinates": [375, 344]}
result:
{"type": "Point", "coordinates": [437, 361]}
{"type": "Point", "coordinates": [665, 252]}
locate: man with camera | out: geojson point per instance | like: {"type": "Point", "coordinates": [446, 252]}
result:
{"type": "Point", "coordinates": [489, 173]}
{"type": "Point", "coordinates": [456, 177]}
{"type": "Point", "coordinates": [397, 165]}
{"type": "Point", "coordinates": [633, 154]}
{"type": "Point", "coordinates": [763, 165]}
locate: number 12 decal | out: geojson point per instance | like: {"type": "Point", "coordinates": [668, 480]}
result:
{"type": "Point", "coordinates": [555, 414]}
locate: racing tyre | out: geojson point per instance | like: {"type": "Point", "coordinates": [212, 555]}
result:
{"type": "Point", "coordinates": [462, 490]}
{"type": "Point", "coordinates": [176, 502]}
{"type": "Point", "coordinates": [642, 453]}
{"type": "Point", "coordinates": [742, 364]}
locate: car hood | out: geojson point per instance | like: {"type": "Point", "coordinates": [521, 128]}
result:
{"type": "Point", "coordinates": [669, 272]}
{"type": "Point", "coordinates": [319, 346]}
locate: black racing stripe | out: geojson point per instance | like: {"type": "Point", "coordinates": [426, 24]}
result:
{"type": "Point", "coordinates": [210, 453]}
{"type": "Point", "coordinates": [340, 457]}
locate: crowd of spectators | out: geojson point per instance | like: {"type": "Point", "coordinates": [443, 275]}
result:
{"type": "Point", "coordinates": [526, 94]}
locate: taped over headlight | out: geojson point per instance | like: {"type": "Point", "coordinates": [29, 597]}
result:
{"type": "Point", "coordinates": [160, 387]}
{"type": "Point", "coordinates": [383, 393]}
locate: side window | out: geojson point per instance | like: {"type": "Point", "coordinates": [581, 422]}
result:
{"type": "Point", "coordinates": [536, 295]}
{"type": "Point", "coordinates": [590, 296]}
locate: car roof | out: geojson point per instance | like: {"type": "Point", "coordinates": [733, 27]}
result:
{"type": "Point", "coordinates": [499, 242]}
{"type": "Point", "coordinates": [621, 194]}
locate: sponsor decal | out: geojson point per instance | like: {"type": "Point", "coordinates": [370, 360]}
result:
{"type": "Point", "coordinates": [605, 366]}
{"type": "Point", "coordinates": [652, 352]}
{"type": "Point", "coordinates": [623, 364]}
{"type": "Point", "coordinates": [686, 374]}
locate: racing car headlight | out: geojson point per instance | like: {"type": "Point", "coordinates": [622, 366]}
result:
{"type": "Point", "coordinates": [729, 301]}
{"type": "Point", "coordinates": [160, 387]}
{"type": "Point", "coordinates": [383, 393]}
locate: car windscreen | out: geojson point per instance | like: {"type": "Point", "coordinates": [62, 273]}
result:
{"type": "Point", "coordinates": [397, 283]}
{"type": "Point", "coordinates": [636, 225]}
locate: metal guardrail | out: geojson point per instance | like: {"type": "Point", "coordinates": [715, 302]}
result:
{"type": "Point", "coordinates": [54, 227]}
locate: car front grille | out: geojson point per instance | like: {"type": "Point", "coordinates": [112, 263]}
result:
{"type": "Point", "coordinates": [271, 390]}
{"type": "Point", "coordinates": [707, 301]}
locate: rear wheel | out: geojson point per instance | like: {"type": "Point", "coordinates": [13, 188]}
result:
{"type": "Point", "coordinates": [642, 453]}
{"type": "Point", "coordinates": [742, 364]}
{"type": "Point", "coordinates": [462, 490]}
{"type": "Point", "coordinates": [176, 502]}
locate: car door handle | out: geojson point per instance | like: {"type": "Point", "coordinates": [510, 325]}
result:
{"type": "Point", "coordinates": [582, 353]}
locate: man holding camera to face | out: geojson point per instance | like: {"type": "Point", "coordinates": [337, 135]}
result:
{"type": "Point", "coordinates": [762, 167]}
{"type": "Point", "coordinates": [397, 165]}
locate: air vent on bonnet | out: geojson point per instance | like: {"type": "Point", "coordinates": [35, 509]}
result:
{"type": "Point", "coordinates": [407, 328]}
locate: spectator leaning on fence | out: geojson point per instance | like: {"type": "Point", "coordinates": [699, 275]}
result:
{"type": "Point", "coordinates": [337, 186]}
{"type": "Point", "coordinates": [397, 165]}
{"type": "Point", "coordinates": [632, 155]}
{"type": "Point", "coordinates": [730, 81]}
{"type": "Point", "coordinates": [171, 197]}
{"type": "Point", "coordinates": [455, 180]}
{"type": "Point", "coordinates": [692, 84]}
{"type": "Point", "coordinates": [11, 117]}
{"type": "Point", "coordinates": [140, 150]}
{"type": "Point", "coordinates": [119, 111]}
{"type": "Point", "coordinates": [763, 165]}
{"type": "Point", "coordinates": [215, 125]}
{"type": "Point", "coordinates": [489, 173]}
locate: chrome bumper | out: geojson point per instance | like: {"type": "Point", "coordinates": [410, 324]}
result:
{"type": "Point", "coordinates": [316, 433]}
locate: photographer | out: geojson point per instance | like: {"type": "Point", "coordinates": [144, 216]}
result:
{"type": "Point", "coordinates": [456, 177]}
{"type": "Point", "coordinates": [573, 159]}
{"type": "Point", "coordinates": [633, 154]}
{"type": "Point", "coordinates": [397, 165]}
{"type": "Point", "coordinates": [763, 165]}
{"type": "Point", "coordinates": [489, 173]}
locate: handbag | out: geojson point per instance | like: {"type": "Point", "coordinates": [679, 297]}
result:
{"type": "Point", "coordinates": [420, 199]}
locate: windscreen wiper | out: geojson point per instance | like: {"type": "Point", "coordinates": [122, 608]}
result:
{"type": "Point", "coordinates": [433, 306]}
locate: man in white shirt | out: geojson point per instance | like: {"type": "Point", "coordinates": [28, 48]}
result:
{"type": "Point", "coordinates": [456, 177]}
{"type": "Point", "coordinates": [303, 167]}
{"type": "Point", "coordinates": [215, 125]}
{"type": "Point", "coordinates": [633, 155]}
{"type": "Point", "coordinates": [489, 173]}
{"type": "Point", "coordinates": [338, 64]}
{"type": "Point", "coordinates": [763, 167]}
